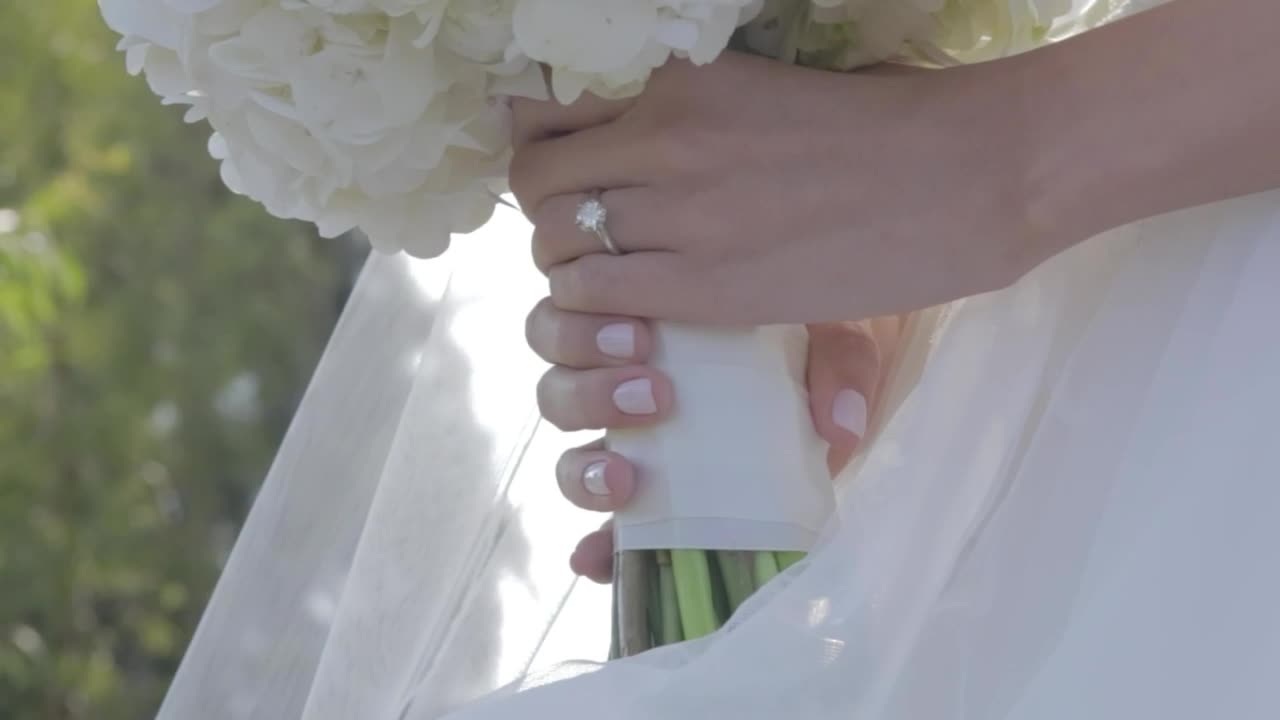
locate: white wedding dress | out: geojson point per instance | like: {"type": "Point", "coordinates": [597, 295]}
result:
{"type": "Point", "coordinates": [1070, 513]}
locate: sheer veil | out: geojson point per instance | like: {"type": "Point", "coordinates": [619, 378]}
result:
{"type": "Point", "coordinates": [390, 548]}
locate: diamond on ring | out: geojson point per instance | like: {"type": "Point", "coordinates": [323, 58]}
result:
{"type": "Point", "coordinates": [592, 217]}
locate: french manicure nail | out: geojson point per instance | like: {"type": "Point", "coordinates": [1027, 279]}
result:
{"type": "Point", "coordinates": [617, 340]}
{"type": "Point", "coordinates": [593, 479]}
{"type": "Point", "coordinates": [850, 412]}
{"type": "Point", "coordinates": [635, 397]}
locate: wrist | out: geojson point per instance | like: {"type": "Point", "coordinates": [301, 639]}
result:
{"type": "Point", "coordinates": [1150, 115]}
{"type": "Point", "coordinates": [1081, 174]}
{"type": "Point", "coordinates": [999, 109]}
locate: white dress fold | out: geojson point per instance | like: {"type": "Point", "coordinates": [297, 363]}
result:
{"type": "Point", "coordinates": [1073, 513]}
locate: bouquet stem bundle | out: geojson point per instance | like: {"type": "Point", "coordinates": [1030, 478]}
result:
{"type": "Point", "coordinates": [662, 597]}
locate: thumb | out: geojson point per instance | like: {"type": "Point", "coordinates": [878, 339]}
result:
{"type": "Point", "coordinates": [843, 375]}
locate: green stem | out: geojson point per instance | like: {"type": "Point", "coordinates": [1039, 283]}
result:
{"type": "Point", "coordinates": [766, 568]}
{"type": "Point", "coordinates": [633, 624]}
{"type": "Point", "coordinates": [653, 611]}
{"type": "Point", "coordinates": [693, 590]}
{"type": "Point", "coordinates": [615, 644]}
{"type": "Point", "coordinates": [786, 559]}
{"type": "Point", "coordinates": [735, 571]}
{"type": "Point", "coordinates": [668, 630]}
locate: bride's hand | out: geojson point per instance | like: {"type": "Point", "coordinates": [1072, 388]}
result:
{"type": "Point", "coordinates": [812, 196]}
{"type": "Point", "coordinates": [600, 380]}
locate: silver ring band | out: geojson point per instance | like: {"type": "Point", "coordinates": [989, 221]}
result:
{"type": "Point", "coordinates": [593, 217]}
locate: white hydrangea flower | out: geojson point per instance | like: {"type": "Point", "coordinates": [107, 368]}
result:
{"type": "Point", "coordinates": [611, 46]}
{"type": "Point", "coordinates": [376, 114]}
{"type": "Point", "coordinates": [390, 115]}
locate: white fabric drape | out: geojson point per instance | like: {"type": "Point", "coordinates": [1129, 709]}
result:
{"type": "Point", "coordinates": [1072, 514]}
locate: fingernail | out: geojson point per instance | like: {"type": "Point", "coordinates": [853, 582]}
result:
{"type": "Point", "coordinates": [617, 340]}
{"type": "Point", "coordinates": [850, 412]}
{"type": "Point", "coordinates": [593, 478]}
{"type": "Point", "coordinates": [635, 397]}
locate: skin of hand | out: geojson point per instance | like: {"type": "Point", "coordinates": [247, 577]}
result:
{"type": "Point", "coordinates": [816, 197]}
{"type": "Point", "coordinates": [599, 380]}
{"type": "Point", "coordinates": [820, 197]}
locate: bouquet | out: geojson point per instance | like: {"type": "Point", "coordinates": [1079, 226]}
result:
{"type": "Point", "coordinates": [391, 118]}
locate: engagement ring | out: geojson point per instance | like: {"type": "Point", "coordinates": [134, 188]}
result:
{"type": "Point", "coordinates": [593, 218]}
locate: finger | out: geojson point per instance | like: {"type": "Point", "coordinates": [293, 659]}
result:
{"type": "Point", "coordinates": [593, 558]}
{"type": "Point", "coordinates": [536, 120]}
{"type": "Point", "coordinates": [582, 341]}
{"type": "Point", "coordinates": [595, 479]}
{"type": "Point", "coordinates": [658, 284]}
{"type": "Point", "coordinates": [626, 397]}
{"type": "Point", "coordinates": [843, 375]}
{"type": "Point", "coordinates": [637, 220]}
{"type": "Point", "coordinates": [598, 157]}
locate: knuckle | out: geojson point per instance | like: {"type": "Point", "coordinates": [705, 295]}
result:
{"type": "Point", "coordinates": [554, 335]}
{"type": "Point", "coordinates": [571, 286]}
{"type": "Point", "coordinates": [558, 337]}
{"type": "Point", "coordinates": [549, 403]}
{"type": "Point", "coordinates": [533, 323]}
{"type": "Point", "coordinates": [543, 391]}
{"type": "Point", "coordinates": [542, 216]}
{"type": "Point", "coordinates": [544, 245]}
{"type": "Point", "coordinates": [564, 400]}
{"type": "Point", "coordinates": [564, 472]}
{"type": "Point", "coordinates": [604, 285]}
{"type": "Point", "coordinates": [540, 251]}
{"type": "Point", "coordinates": [522, 178]}
{"type": "Point", "coordinates": [551, 246]}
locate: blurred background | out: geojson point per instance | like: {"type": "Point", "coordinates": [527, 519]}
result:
{"type": "Point", "coordinates": [156, 333]}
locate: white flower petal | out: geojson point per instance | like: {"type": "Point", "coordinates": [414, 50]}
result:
{"type": "Point", "coordinates": [588, 36]}
{"type": "Point", "coordinates": [389, 115]}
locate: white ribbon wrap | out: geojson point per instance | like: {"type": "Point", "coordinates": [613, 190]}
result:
{"type": "Point", "coordinates": [738, 466]}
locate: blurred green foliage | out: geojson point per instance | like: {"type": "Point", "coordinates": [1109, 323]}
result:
{"type": "Point", "coordinates": [155, 335]}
